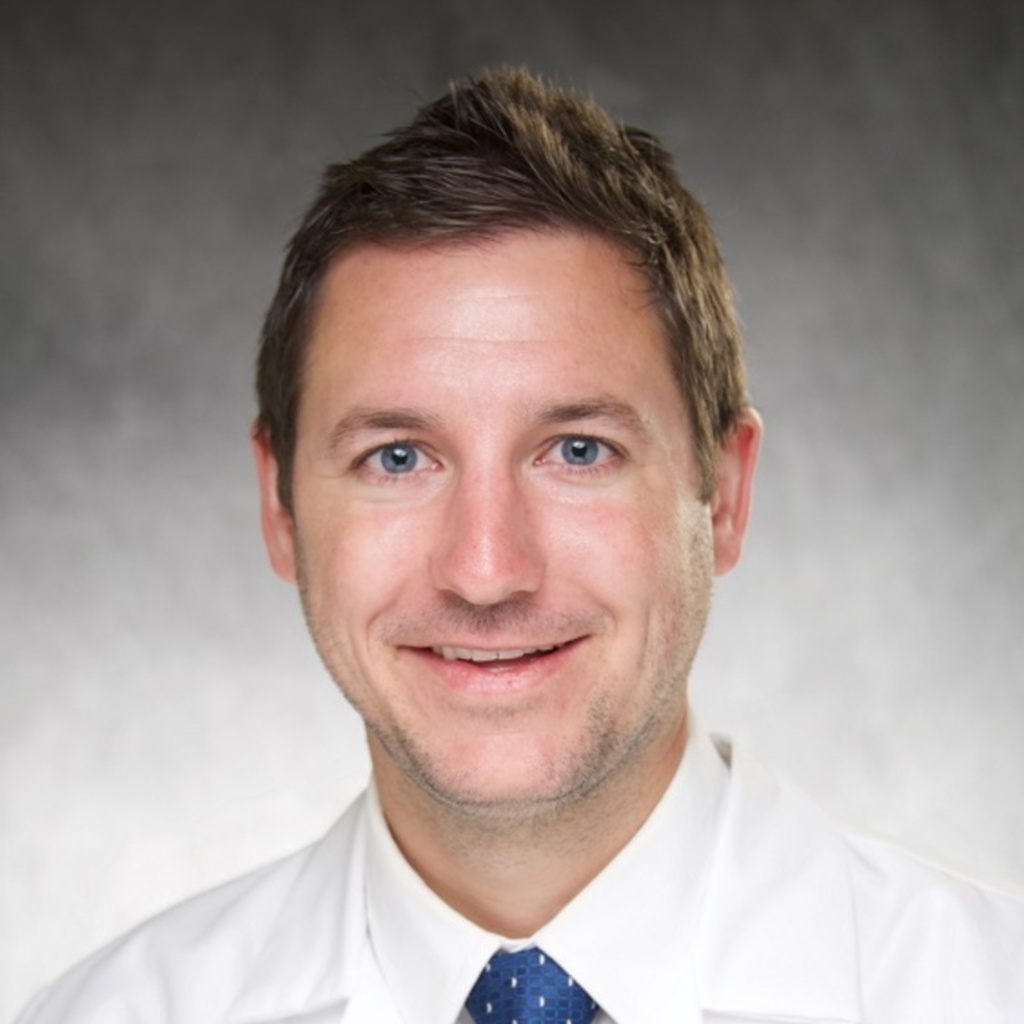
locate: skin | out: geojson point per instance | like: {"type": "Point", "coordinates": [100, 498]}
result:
{"type": "Point", "coordinates": [493, 456]}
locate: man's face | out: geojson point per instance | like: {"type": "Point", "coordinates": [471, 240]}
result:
{"type": "Point", "coordinates": [497, 533]}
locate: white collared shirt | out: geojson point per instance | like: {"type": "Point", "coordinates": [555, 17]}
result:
{"type": "Point", "coordinates": [627, 938]}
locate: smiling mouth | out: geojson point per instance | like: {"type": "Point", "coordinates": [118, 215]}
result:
{"type": "Point", "coordinates": [480, 657]}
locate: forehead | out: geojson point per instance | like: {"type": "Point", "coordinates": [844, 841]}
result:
{"type": "Point", "coordinates": [544, 313]}
{"type": "Point", "coordinates": [557, 266]}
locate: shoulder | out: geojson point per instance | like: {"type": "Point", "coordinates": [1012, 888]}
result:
{"type": "Point", "coordinates": [925, 927]}
{"type": "Point", "coordinates": [802, 911]}
{"type": "Point", "coordinates": [193, 961]}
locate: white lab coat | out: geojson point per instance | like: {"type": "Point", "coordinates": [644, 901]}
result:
{"type": "Point", "coordinates": [801, 923]}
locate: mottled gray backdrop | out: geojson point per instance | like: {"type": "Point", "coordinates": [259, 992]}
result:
{"type": "Point", "coordinates": [164, 721]}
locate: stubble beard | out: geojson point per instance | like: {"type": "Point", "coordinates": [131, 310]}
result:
{"type": "Point", "coordinates": [606, 751]}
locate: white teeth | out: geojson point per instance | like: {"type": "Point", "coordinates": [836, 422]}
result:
{"type": "Point", "coordinates": [468, 654]}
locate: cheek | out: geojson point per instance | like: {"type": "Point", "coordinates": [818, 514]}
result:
{"type": "Point", "coordinates": [655, 565]}
{"type": "Point", "coordinates": [685, 571]}
{"type": "Point", "coordinates": [636, 538]}
{"type": "Point", "coordinates": [358, 560]}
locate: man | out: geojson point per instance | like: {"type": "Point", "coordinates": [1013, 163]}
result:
{"type": "Point", "coordinates": [503, 447]}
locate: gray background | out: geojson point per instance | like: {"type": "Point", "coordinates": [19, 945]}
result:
{"type": "Point", "coordinates": [164, 721]}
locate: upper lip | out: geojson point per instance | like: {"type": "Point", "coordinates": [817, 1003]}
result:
{"type": "Point", "coordinates": [491, 654]}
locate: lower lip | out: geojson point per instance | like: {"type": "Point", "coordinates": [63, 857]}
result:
{"type": "Point", "coordinates": [494, 678]}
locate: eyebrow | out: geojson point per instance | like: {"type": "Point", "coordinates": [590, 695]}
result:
{"type": "Point", "coordinates": [597, 408]}
{"type": "Point", "coordinates": [362, 420]}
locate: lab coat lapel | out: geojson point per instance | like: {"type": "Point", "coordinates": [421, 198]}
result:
{"type": "Point", "coordinates": [777, 938]}
{"type": "Point", "coordinates": [314, 957]}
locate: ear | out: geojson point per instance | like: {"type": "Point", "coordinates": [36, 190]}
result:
{"type": "Point", "coordinates": [730, 505]}
{"type": "Point", "coordinates": [278, 525]}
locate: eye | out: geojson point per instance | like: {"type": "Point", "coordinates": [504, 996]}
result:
{"type": "Point", "coordinates": [395, 458]}
{"type": "Point", "coordinates": [582, 451]}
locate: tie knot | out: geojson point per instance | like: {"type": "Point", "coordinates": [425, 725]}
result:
{"type": "Point", "coordinates": [528, 987]}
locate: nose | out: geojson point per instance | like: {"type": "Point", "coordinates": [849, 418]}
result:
{"type": "Point", "coordinates": [489, 549]}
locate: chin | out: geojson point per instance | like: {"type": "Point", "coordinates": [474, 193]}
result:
{"type": "Point", "coordinates": [504, 776]}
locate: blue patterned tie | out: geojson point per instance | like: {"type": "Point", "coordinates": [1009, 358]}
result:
{"type": "Point", "coordinates": [528, 987]}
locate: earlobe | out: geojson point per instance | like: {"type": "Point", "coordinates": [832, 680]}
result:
{"type": "Point", "coordinates": [276, 521]}
{"type": "Point", "coordinates": [730, 505]}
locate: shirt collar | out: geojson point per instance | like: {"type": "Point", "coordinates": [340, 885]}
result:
{"type": "Point", "coordinates": [429, 955]}
{"type": "Point", "coordinates": [626, 937]}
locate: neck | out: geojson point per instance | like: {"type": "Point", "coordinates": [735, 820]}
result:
{"type": "Point", "coordinates": [512, 871]}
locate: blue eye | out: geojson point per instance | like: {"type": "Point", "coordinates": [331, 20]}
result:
{"type": "Point", "coordinates": [580, 451]}
{"type": "Point", "coordinates": [398, 458]}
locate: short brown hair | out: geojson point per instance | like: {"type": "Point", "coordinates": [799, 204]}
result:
{"type": "Point", "coordinates": [504, 151]}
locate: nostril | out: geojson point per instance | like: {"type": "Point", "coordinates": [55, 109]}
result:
{"type": "Point", "coordinates": [488, 553]}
